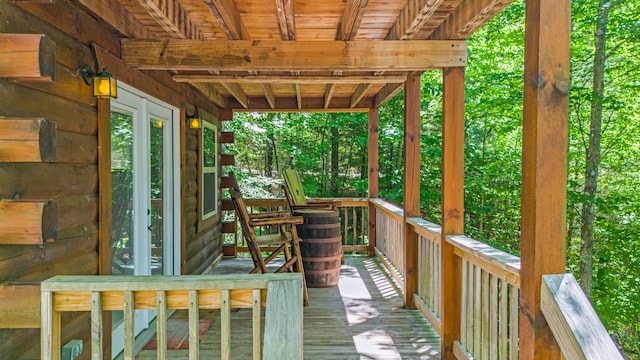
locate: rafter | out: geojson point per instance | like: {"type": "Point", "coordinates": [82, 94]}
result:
{"type": "Point", "coordinates": [237, 92]}
{"type": "Point", "coordinates": [412, 18]}
{"type": "Point", "coordinates": [286, 19]}
{"type": "Point", "coordinates": [358, 94]}
{"type": "Point", "coordinates": [228, 16]}
{"type": "Point", "coordinates": [210, 93]}
{"type": "Point", "coordinates": [386, 93]}
{"type": "Point", "coordinates": [328, 93]}
{"type": "Point", "coordinates": [268, 94]}
{"type": "Point", "coordinates": [275, 55]}
{"type": "Point", "coordinates": [171, 17]}
{"type": "Point", "coordinates": [468, 18]}
{"type": "Point", "coordinates": [298, 96]}
{"type": "Point", "coordinates": [260, 79]}
{"type": "Point", "coordinates": [351, 19]}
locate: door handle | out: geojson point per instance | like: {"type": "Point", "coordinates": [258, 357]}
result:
{"type": "Point", "coordinates": [150, 227]}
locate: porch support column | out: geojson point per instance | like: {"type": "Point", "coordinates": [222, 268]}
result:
{"type": "Point", "coordinates": [544, 166]}
{"type": "Point", "coordinates": [373, 176]}
{"type": "Point", "coordinates": [452, 204]}
{"type": "Point", "coordinates": [411, 185]}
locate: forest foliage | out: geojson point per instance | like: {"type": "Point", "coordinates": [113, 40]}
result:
{"type": "Point", "coordinates": [330, 151]}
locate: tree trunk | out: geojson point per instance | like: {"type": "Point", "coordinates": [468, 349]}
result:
{"type": "Point", "coordinates": [335, 142]}
{"type": "Point", "coordinates": [593, 150]}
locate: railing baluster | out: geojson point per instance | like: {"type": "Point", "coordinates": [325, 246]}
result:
{"type": "Point", "coordinates": [470, 306]}
{"type": "Point", "coordinates": [465, 304]}
{"type": "Point", "coordinates": [161, 321]}
{"type": "Point", "coordinates": [96, 326]}
{"type": "Point", "coordinates": [50, 332]}
{"type": "Point", "coordinates": [129, 324]}
{"type": "Point", "coordinates": [477, 311]}
{"type": "Point", "coordinates": [513, 323]}
{"type": "Point", "coordinates": [503, 317]}
{"type": "Point", "coordinates": [493, 315]}
{"type": "Point", "coordinates": [257, 324]}
{"type": "Point", "coordinates": [225, 325]}
{"type": "Point", "coordinates": [485, 315]}
{"type": "Point", "coordinates": [194, 325]}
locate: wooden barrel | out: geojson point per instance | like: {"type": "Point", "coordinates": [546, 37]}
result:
{"type": "Point", "coordinates": [321, 247]}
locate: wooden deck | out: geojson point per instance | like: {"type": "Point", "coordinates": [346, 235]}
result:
{"type": "Point", "coordinates": [362, 318]}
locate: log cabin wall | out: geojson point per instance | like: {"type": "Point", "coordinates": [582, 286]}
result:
{"type": "Point", "coordinates": [71, 178]}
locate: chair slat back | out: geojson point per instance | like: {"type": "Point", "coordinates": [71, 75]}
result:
{"type": "Point", "coordinates": [294, 186]}
{"type": "Point", "coordinates": [243, 215]}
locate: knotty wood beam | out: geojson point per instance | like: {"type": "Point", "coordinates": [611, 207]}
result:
{"type": "Point", "coordinates": [260, 79]}
{"type": "Point", "coordinates": [351, 19]}
{"type": "Point", "coordinates": [544, 166]}
{"type": "Point", "coordinates": [286, 19]}
{"type": "Point", "coordinates": [358, 94]}
{"type": "Point", "coordinates": [227, 137]}
{"type": "Point", "coordinates": [227, 159]}
{"type": "Point", "coordinates": [268, 94]}
{"type": "Point", "coordinates": [27, 56]}
{"type": "Point", "coordinates": [372, 147]}
{"type": "Point", "coordinates": [328, 93]}
{"type": "Point", "coordinates": [386, 93]}
{"type": "Point", "coordinates": [228, 16]}
{"type": "Point", "coordinates": [468, 18]}
{"type": "Point", "coordinates": [210, 93]}
{"type": "Point", "coordinates": [275, 55]}
{"type": "Point", "coordinates": [117, 16]}
{"type": "Point", "coordinates": [172, 17]}
{"type": "Point", "coordinates": [411, 187]}
{"type": "Point", "coordinates": [412, 18]}
{"type": "Point", "coordinates": [27, 140]}
{"type": "Point", "coordinates": [452, 205]}
{"type": "Point", "coordinates": [237, 92]}
{"type": "Point", "coordinates": [28, 222]}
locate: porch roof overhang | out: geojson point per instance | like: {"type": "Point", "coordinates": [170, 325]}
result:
{"type": "Point", "coordinates": [286, 55]}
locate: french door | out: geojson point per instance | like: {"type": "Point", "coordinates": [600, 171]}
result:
{"type": "Point", "coordinates": [145, 194]}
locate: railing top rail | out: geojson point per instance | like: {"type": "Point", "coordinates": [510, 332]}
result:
{"type": "Point", "coordinates": [497, 262]}
{"type": "Point", "coordinates": [161, 283]}
{"type": "Point", "coordinates": [426, 228]}
{"type": "Point", "coordinates": [344, 202]}
{"type": "Point", "coordinates": [388, 208]}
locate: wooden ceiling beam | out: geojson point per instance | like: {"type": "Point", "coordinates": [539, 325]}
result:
{"type": "Point", "coordinates": [172, 17]}
{"type": "Point", "coordinates": [310, 104]}
{"type": "Point", "coordinates": [117, 16]}
{"type": "Point", "coordinates": [275, 55]}
{"type": "Point", "coordinates": [358, 94]}
{"type": "Point", "coordinates": [468, 18]}
{"type": "Point", "coordinates": [386, 93]}
{"type": "Point", "coordinates": [286, 19]}
{"type": "Point", "coordinates": [328, 93]}
{"type": "Point", "coordinates": [228, 16]}
{"type": "Point", "coordinates": [351, 19]}
{"type": "Point", "coordinates": [211, 93]}
{"type": "Point", "coordinates": [237, 92]}
{"type": "Point", "coordinates": [274, 79]}
{"type": "Point", "coordinates": [412, 18]}
{"type": "Point", "coordinates": [268, 94]}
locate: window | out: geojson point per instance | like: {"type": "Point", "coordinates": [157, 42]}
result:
{"type": "Point", "coordinates": [209, 165]}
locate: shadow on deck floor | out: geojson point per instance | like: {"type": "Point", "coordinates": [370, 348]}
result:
{"type": "Point", "coordinates": [361, 318]}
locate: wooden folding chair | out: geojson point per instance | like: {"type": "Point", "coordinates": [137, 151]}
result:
{"type": "Point", "coordinates": [285, 241]}
{"type": "Point", "coordinates": [296, 198]}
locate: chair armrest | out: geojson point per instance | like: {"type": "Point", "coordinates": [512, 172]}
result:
{"type": "Point", "coordinates": [312, 206]}
{"type": "Point", "coordinates": [272, 214]}
{"type": "Point", "coordinates": [290, 220]}
{"type": "Point", "coordinates": [329, 202]}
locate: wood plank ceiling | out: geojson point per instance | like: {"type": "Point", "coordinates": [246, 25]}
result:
{"type": "Point", "coordinates": [293, 55]}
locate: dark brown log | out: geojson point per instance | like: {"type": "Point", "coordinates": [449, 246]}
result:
{"type": "Point", "coordinates": [227, 205]}
{"type": "Point", "coordinates": [27, 56]}
{"type": "Point", "coordinates": [77, 210]}
{"type": "Point", "coordinates": [77, 148]}
{"type": "Point", "coordinates": [27, 140]}
{"type": "Point", "coordinates": [228, 160]}
{"type": "Point", "coordinates": [225, 182]}
{"type": "Point", "coordinates": [201, 241]}
{"type": "Point", "coordinates": [227, 137]}
{"type": "Point", "coordinates": [84, 264]}
{"type": "Point", "coordinates": [28, 222]}
{"type": "Point", "coordinates": [46, 181]}
{"type": "Point", "coordinates": [21, 314]}
{"type": "Point", "coordinates": [226, 115]}
{"type": "Point", "coordinates": [228, 227]}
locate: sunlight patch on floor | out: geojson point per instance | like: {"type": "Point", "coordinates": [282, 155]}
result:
{"type": "Point", "coordinates": [385, 283]}
{"type": "Point", "coordinates": [376, 344]}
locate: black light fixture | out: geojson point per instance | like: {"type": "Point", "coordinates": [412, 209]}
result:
{"type": "Point", "coordinates": [104, 84]}
{"type": "Point", "coordinates": [194, 121]}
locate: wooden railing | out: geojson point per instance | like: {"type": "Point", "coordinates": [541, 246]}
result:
{"type": "Point", "coordinates": [390, 236]}
{"type": "Point", "coordinates": [490, 300]}
{"type": "Point", "coordinates": [354, 221]}
{"type": "Point", "coordinates": [282, 324]}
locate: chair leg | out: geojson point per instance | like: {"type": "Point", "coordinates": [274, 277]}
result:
{"type": "Point", "coordinates": [295, 244]}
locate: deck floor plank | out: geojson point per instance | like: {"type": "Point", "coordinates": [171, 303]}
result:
{"type": "Point", "coordinates": [361, 318]}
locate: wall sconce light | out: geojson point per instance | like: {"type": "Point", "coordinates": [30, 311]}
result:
{"type": "Point", "coordinates": [194, 121]}
{"type": "Point", "coordinates": [104, 85]}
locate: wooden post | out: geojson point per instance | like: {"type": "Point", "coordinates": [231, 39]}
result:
{"type": "Point", "coordinates": [105, 205]}
{"type": "Point", "coordinates": [373, 176]}
{"type": "Point", "coordinates": [544, 166]}
{"type": "Point", "coordinates": [411, 185]}
{"type": "Point", "coordinates": [27, 56]}
{"type": "Point", "coordinates": [452, 204]}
